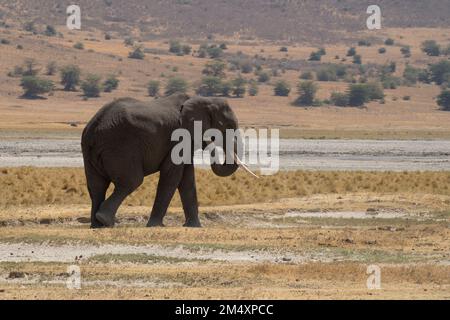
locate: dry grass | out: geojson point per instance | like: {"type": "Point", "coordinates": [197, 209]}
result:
{"type": "Point", "coordinates": [40, 186]}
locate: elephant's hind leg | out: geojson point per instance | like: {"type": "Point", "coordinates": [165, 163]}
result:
{"type": "Point", "coordinates": [123, 187]}
{"type": "Point", "coordinates": [97, 186]}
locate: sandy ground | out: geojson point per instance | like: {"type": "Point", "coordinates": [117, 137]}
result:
{"type": "Point", "coordinates": [295, 154]}
{"type": "Point", "coordinates": [279, 250]}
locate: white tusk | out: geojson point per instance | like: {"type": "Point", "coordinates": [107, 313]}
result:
{"type": "Point", "coordinates": [241, 164]}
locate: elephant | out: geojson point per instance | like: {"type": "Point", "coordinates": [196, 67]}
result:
{"type": "Point", "coordinates": [128, 139]}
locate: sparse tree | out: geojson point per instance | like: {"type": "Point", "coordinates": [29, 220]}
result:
{"type": "Point", "coordinates": [339, 99]}
{"type": "Point", "coordinates": [215, 68]}
{"type": "Point", "coordinates": [443, 100]}
{"type": "Point", "coordinates": [30, 67]}
{"type": "Point", "coordinates": [175, 47]}
{"type": "Point", "coordinates": [91, 86]}
{"type": "Point", "coordinates": [210, 86]}
{"type": "Point", "coordinates": [186, 49]}
{"type": "Point", "coordinates": [175, 85]}
{"type": "Point", "coordinates": [431, 48]}
{"type": "Point", "coordinates": [358, 95]}
{"type": "Point", "coordinates": [263, 77]}
{"type": "Point", "coordinates": [33, 86]}
{"type": "Point", "coordinates": [238, 87]}
{"type": "Point", "coordinates": [282, 88]}
{"type": "Point", "coordinates": [440, 72]}
{"type": "Point", "coordinates": [389, 42]}
{"type": "Point", "coordinates": [153, 88]}
{"type": "Point", "coordinates": [51, 68]}
{"type": "Point", "coordinates": [70, 77]}
{"type": "Point", "coordinates": [111, 83]}
{"type": "Point", "coordinates": [307, 92]}
{"type": "Point", "coordinates": [253, 89]}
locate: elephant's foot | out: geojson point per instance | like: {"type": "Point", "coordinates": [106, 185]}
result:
{"type": "Point", "coordinates": [96, 225]}
{"type": "Point", "coordinates": [106, 219]}
{"type": "Point", "coordinates": [194, 223]}
{"type": "Point", "coordinates": [153, 222]}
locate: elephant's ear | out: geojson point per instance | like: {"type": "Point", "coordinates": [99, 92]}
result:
{"type": "Point", "coordinates": [197, 109]}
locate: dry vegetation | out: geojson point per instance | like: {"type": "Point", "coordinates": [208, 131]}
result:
{"type": "Point", "coordinates": [39, 186]}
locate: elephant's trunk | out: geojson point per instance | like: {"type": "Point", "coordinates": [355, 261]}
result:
{"type": "Point", "coordinates": [229, 166]}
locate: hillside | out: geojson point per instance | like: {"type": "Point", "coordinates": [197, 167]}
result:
{"type": "Point", "coordinates": [285, 20]}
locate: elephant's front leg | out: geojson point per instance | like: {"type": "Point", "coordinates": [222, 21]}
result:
{"type": "Point", "coordinates": [169, 179]}
{"type": "Point", "coordinates": [188, 194]}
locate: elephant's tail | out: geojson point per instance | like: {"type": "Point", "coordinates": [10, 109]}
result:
{"type": "Point", "coordinates": [91, 158]}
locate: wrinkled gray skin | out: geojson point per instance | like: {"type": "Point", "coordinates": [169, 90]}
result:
{"type": "Point", "coordinates": [129, 139]}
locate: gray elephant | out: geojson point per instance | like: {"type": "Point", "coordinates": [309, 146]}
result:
{"type": "Point", "coordinates": [128, 139]}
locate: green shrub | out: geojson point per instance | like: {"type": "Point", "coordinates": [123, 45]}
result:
{"type": "Point", "coordinates": [223, 46]}
{"type": "Point", "coordinates": [389, 42]}
{"type": "Point", "coordinates": [283, 49]}
{"type": "Point", "coordinates": [79, 46]}
{"type": "Point", "coordinates": [215, 68]}
{"type": "Point", "coordinates": [33, 86]}
{"type": "Point", "coordinates": [210, 86]}
{"type": "Point", "coordinates": [315, 56]}
{"type": "Point", "coordinates": [137, 53]}
{"type": "Point", "coordinates": [253, 89]}
{"type": "Point", "coordinates": [351, 52]}
{"type": "Point", "coordinates": [108, 36]}
{"type": "Point", "coordinates": [306, 91]}
{"type": "Point", "coordinates": [29, 26]}
{"type": "Point", "coordinates": [431, 48]}
{"type": "Point", "coordinates": [70, 77]}
{"type": "Point", "coordinates": [186, 49]}
{"type": "Point", "coordinates": [91, 86]}
{"type": "Point", "coordinates": [282, 88]}
{"type": "Point", "coordinates": [364, 43]}
{"type": "Point", "coordinates": [226, 88]}
{"type": "Point", "coordinates": [411, 75]}
{"type": "Point", "coordinates": [176, 85]}
{"type": "Point", "coordinates": [128, 41]}
{"type": "Point", "coordinates": [326, 74]}
{"type": "Point", "coordinates": [175, 47]}
{"type": "Point", "coordinates": [238, 87]}
{"type": "Point", "coordinates": [5, 41]}
{"type": "Point", "coordinates": [111, 83]}
{"type": "Point", "coordinates": [375, 91]}
{"type": "Point", "coordinates": [263, 77]}
{"type": "Point", "coordinates": [307, 75]}
{"type": "Point", "coordinates": [440, 71]}
{"type": "Point", "coordinates": [358, 95]}
{"type": "Point", "coordinates": [357, 59]}
{"type": "Point", "coordinates": [406, 51]}
{"type": "Point", "coordinates": [443, 100]}
{"type": "Point", "coordinates": [50, 31]}
{"type": "Point", "coordinates": [339, 99]}
{"type": "Point", "coordinates": [153, 88]}
{"type": "Point", "coordinates": [382, 50]}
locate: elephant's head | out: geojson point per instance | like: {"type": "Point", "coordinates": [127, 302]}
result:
{"type": "Point", "coordinates": [215, 113]}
